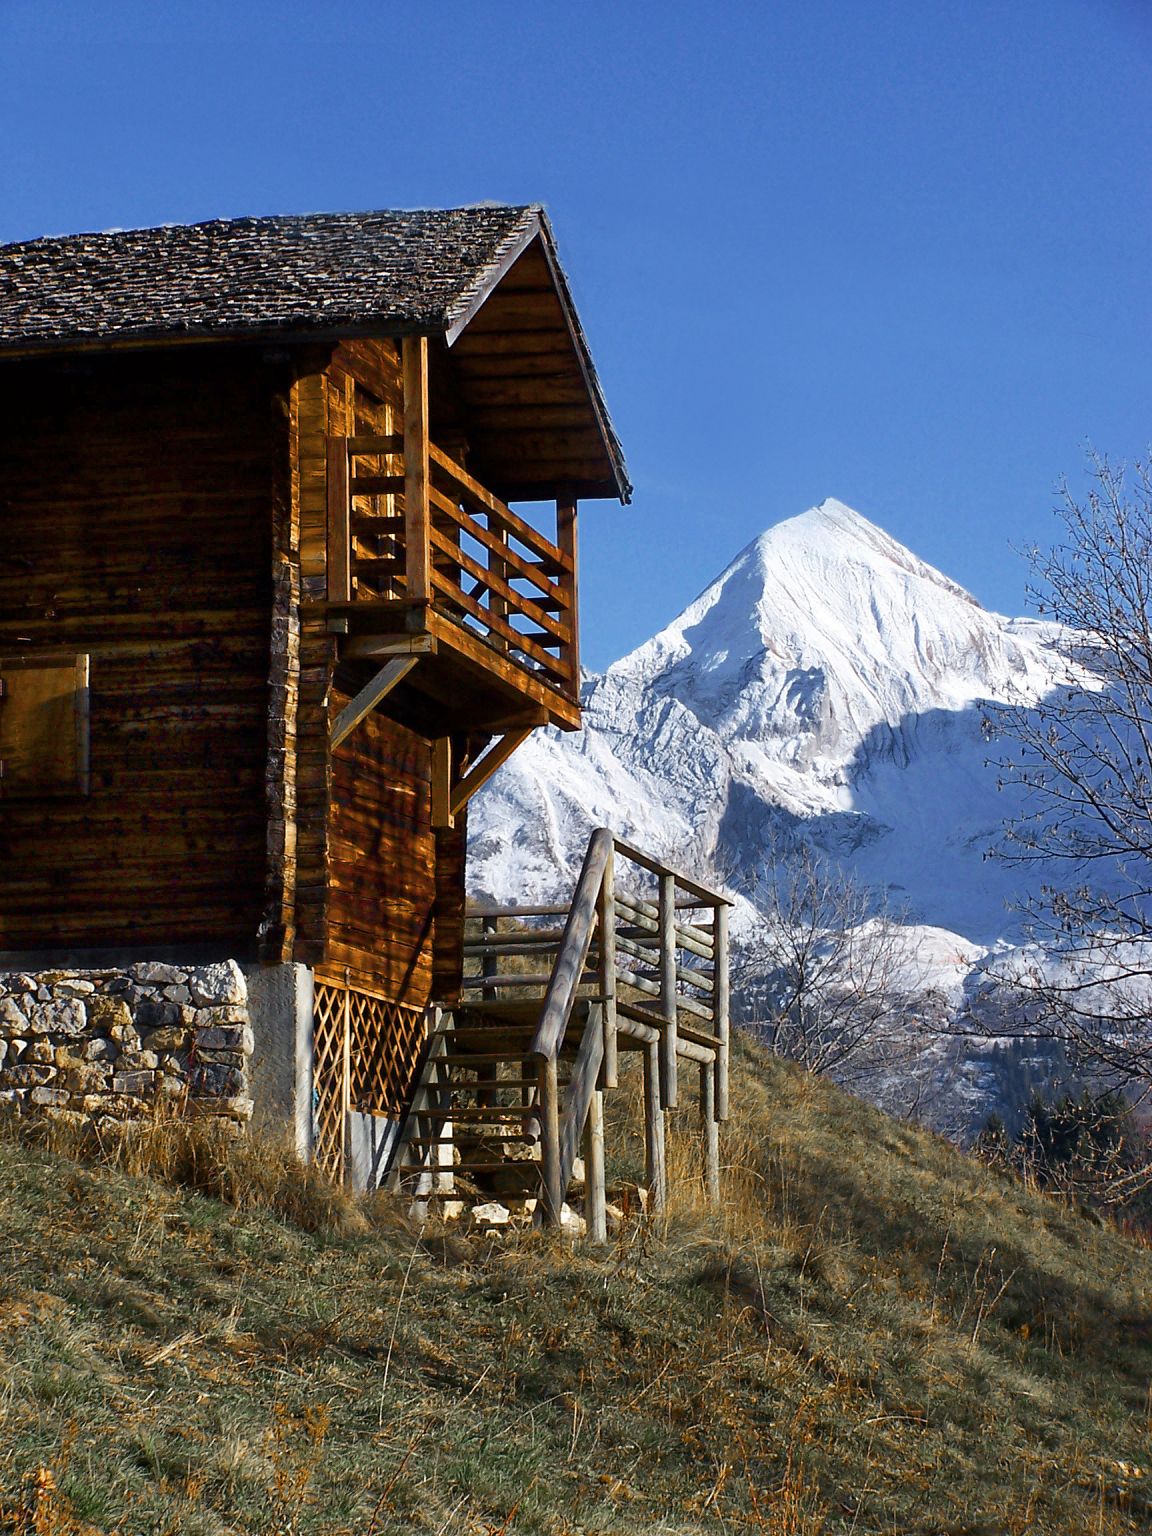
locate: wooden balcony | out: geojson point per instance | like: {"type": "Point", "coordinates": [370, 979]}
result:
{"type": "Point", "coordinates": [419, 549]}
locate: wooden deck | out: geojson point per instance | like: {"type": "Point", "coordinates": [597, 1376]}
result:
{"type": "Point", "coordinates": [423, 559]}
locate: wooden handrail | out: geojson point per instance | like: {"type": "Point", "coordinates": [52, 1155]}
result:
{"type": "Point", "coordinates": [708, 898]}
{"type": "Point", "coordinates": [539, 573]}
{"type": "Point", "coordinates": [660, 1013]}
{"type": "Point", "coordinates": [529, 536]}
{"type": "Point", "coordinates": [449, 542]}
{"type": "Point", "coordinates": [595, 905]}
{"type": "Point", "coordinates": [574, 947]}
{"type": "Point", "coordinates": [516, 641]}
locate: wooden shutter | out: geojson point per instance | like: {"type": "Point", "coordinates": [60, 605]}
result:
{"type": "Point", "coordinates": [43, 726]}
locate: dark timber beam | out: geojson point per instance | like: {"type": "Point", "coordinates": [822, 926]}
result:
{"type": "Point", "coordinates": [369, 696]}
{"type": "Point", "coordinates": [442, 811]}
{"type": "Point", "coordinates": [480, 772]}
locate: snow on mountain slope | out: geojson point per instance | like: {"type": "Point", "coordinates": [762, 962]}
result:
{"type": "Point", "coordinates": [828, 685]}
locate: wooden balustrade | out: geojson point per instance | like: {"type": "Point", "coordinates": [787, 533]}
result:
{"type": "Point", "coordinates": [653, 971]}
{"type": "Point", "coordinates": [407, 525]}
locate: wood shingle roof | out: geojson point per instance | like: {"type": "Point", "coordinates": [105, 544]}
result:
{"type": "Point", "coordinates": [406, 270]}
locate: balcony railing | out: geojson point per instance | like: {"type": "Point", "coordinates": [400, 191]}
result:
{"type": "Point", "coordinates": [409, 528]}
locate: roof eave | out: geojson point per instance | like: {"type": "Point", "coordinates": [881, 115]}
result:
{"type": "Point", "coordinates": [271, 335]}
{"type": "Point", "coordinates": [537, 226]}
{"type": "Point", "coordinates": [507, 254]}
{"type": "Point", "coordinates": [587, 367]}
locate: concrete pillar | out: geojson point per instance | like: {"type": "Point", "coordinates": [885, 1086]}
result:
{"type": "Point", "coordinates": [280, 1009]}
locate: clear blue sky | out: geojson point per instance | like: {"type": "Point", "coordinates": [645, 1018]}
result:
{"type": "Point", "coordinates": [893, 251]}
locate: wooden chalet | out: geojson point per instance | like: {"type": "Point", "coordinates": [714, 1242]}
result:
{"type": "Point", "coordinates": [268, 618]}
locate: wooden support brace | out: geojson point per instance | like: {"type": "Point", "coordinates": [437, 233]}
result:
{"type": "Point", "coordinates": [710, 1132]}
{"type": "Point", "coordinates": [720, 1022]}
{"type": "Point", "coordinates": [595, 1201]}
{"type": "Point", "coordinates": [483, 769]}
{"type": "Point", "coordinates": [606, 923]}
{"type": "Point", "coordinates": [381, 647]}
{"type": "Point", "coordinates": [566, 543]}
{"type": "Point", "coordinates": [548, 1102]}
{"type": "Point", "coordinates": [369, 696]}
{"type": "Point", "coordinates": [654, 1166]}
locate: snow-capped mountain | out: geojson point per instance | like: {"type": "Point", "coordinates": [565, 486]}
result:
{"type": "Point", "coordinates": [827, 685]}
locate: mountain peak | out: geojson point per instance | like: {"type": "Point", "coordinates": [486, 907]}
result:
{"type": "Point", "coordinates": [832, 533]}
{"type": "Point", "coordinates": [822, 629]}
{"type": "Point", "coordinates": [837, 511]}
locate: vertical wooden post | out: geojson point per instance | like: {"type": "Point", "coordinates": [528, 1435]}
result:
{"type": "Point", "coordinates": [497, 605]}
{"type": "Point", "coordinates": [606, 918]}
{"type": "Point", "coordinates": [654, 1130]}
{"type": "Point", "coordinates": [339, 520]}
{"type": "Point", "coordinates": [720, 1007]}
{"type": "Point", "coordinates": [667, 925]}
{"type": "Point", "coordinates": [442, 782]}
{"type": "Point", "coordinates": [710, 1131]}
{"type": "Point", "coordinates": [489, 927]}
{"type": "Point", "coordinates": [566, 505]}
{"type": "Point", "coordinates": [418, 551]}
{"type": "Point", "coordinates": [595, 1201]}
{"type": "Point", "coordinates": [346, 1086]}
{"type": "Point", "coordinates": [548, 1093]}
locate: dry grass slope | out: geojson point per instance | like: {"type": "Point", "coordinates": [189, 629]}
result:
{"type": "Point", "coordinates": [874, 1335]}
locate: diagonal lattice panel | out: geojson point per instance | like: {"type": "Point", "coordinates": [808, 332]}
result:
{"type": "Point", "coordinates": [366, 1053]}
{"type": "Point", "coordinates": [328, 1074]}
{"type": "Point", "coordinates": [385, 1042]}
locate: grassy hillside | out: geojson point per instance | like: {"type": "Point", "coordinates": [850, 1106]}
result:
{"type": "Point", "coordinates": [875, 1335]}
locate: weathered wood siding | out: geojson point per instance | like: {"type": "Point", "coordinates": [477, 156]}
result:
{"type": "Point", "coordinates": [136, 525]}
{"type": "Point", "coordinates": [164, 513]}
{"type": "Point", "coordinates": [379, 893]}
{"type": "Point", "coordinates": [396, 886]}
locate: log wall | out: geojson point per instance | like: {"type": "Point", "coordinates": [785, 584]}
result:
{"type": "Point", "coordinates": [395, 885]}
{"type": "Point", "coordinates": [164, 512]}
{"type": "Point", "coordinates": [379, 893]}
{"type": "Point", "coordinates": [135, 525]}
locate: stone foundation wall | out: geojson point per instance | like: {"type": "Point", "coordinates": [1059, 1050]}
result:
{"type": "Point", "coordinates": [108, 1045]}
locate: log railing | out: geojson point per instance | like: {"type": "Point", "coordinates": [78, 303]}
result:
{"type": "Point", "coordinates": [407, 525]}
{"type": "Point", "coordinates": [654, 969]}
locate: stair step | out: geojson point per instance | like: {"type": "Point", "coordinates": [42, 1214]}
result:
{"type": "Point", "coordinates": [527, 979]}
{"type": "Point", "coordinates": [477, 1059]}
{"type": "Point", "coordinates": [484, 1085]}
{"type": "Point", "coordinates": [493, 1112]}
{"type": "Point", "coordinates": [444, 1099]}
{"type": "Point", "coordinates": [443, 1141]}
{"type": "Point", "coordinates": [517, 1012]}
{"type": "Point", "coordinates": [501, 1031]}
{"type": "Point", "coordinates": [528, 1164]}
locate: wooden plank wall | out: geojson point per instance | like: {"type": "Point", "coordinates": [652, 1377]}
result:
{"type": "Point", "coordinates": [380, 895]}
{"type": "Point", "coordinates": [396, 886]}
{"type": "Point", "coordinates": [135, 525]}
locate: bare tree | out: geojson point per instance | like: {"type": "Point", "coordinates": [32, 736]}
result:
{"type": "Point", "coordinates": [1084, 758]}
{"type": "Point", "coordinates": [824, 980]}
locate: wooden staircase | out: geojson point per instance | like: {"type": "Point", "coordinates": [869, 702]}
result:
{"type": "Point", "coordinates": [512, 1084]}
